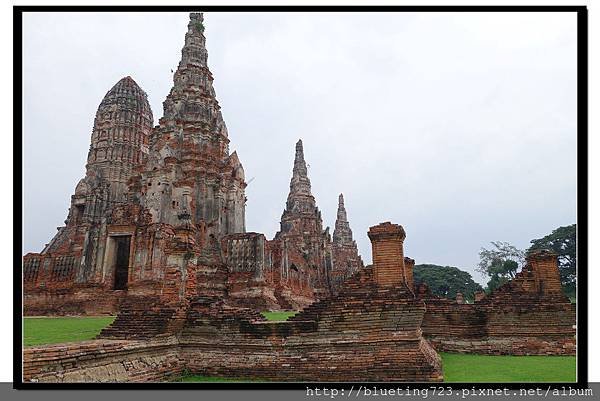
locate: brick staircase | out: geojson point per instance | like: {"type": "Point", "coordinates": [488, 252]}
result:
{"type": "Point", "coordinates": [354, 289]}
{"type": "Point", "coordinates": [141, 317]}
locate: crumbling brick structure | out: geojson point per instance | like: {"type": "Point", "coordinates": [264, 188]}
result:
{"type": "Point", "coordinates": [529, 315]}
{"type": "Point", "coordinates": [369, 331]}
{"type": "Point", "coordinates": [158, 205]}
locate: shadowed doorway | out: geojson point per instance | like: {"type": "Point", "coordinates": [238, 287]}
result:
{"type": "Point", "coordinates": [122, 261]}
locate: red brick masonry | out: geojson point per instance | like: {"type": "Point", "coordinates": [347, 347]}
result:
{"type": "Point", "coordinates": [370, 330]}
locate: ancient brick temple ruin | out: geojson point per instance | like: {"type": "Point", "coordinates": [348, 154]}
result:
{"type": "Point", "coordinates": [370, 330]}
{"type": "Point", "coordinates": [156, 231]}
{"type": "Point", "coordinates": [376, 328]}
{"type": "Point", "coordinates": [158, 205]}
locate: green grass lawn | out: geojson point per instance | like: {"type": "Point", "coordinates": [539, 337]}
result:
{"type": "Point", "coordinates": [278, 316]}
{"type": "Point", "coordinates": [504, 369]}
{"type": "Point", "coordinates": [52, 330]}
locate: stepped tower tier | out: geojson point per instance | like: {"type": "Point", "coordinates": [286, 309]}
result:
{"type": "Point", "coordinates": [119, 146]}
{"type": "Point", "coordinates": [120, 137]}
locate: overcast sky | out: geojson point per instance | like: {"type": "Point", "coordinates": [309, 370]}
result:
{"type": "Point", "coordinates": [459, 126]}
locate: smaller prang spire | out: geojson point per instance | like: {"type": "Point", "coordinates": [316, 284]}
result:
{"type": "Point", "coordinates": [342, 234]}
{"type": "Point", "coordinates": [341, 212]}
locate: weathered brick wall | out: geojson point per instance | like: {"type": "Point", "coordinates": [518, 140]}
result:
{"type": "Point", "coordinates": [505, 345]}
{"type": "Point", "coordinates": [50, 288]}
{"type": "Point", "coordinates": [78, 300]}
{"type": "Point", "coordinates": [446, 318]}
{"type": "Point", "coordinates": [409, 267]}
{"type": "Point", "coordinates": [364, 333]}
{"type": "Point", "coordinates": [368, 331]}
{"type": "Point", "coordinates": [529, 315]}
{"type": "Point", "coordinates": [543, 264]}
{"type": "Point", "coordinates": [103, 361]}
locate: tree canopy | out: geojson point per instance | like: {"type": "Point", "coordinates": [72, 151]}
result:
{"type": "Point", "coordinates": [446, 281]}
{"type": "Point", "coordinates": [563, 241]}
{"type": "Point", "coordinates": [500, 263]}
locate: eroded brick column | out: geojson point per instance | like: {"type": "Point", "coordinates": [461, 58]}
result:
{"type": "Point", "coordinates": [388, 254]}
{"type": "Point", "coordinates": [409, 266]}
{"type": "Point", "coordinates": [544, 265]}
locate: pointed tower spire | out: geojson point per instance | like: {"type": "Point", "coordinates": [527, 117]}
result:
{"type": "Point", "coordinates": [341, 213]}
{"type": "Point", "coordinates": [301, 238]}
{"type": "Point", "coordinates": [193, 98]}
{"type": "Point", "coordinates": [194, 50]}
{"type": "Point", "coordinates": [299, 163]}
{"type": "Point", "coordinates": [300, 191]}
{"type": "Point", "coordinates": [342, 233]}
{"type": "Point", "coordinates": [211, 188]}
{"type": "Point", "coordinates": [346, 260]}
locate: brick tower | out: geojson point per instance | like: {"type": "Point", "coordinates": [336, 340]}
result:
{"type": "Point", "coordinates": [303, 247]}
{"type": "Point", "coordinates": [346, 260]}
{"type": "Point", "coordinates": [75, 256]}
{"type": "Point", "coordinates": [191, 177]}
{"type": "Point", "coordinates": [388, 254]}
{"type": "Point", "coordinates": [119, 145]}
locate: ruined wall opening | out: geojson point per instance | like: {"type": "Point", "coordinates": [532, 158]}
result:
{"type": "Point", "coordinates": [122, 246]}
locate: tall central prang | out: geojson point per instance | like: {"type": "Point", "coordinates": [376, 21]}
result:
{"type": "Point", "coordinates": [191, 179]}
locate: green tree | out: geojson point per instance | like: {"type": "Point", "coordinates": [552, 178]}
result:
{"type": "Point", "coordinates": [563, 241]}
{"type": "Point", "coordinates": [446, 281]}
{"type": "Point", "coordinates": [500, 263]}
{"type": "Point", "coordinates": [495, 281]}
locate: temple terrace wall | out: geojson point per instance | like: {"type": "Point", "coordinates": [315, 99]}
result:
{"type": "Point", "coordinates": [369, 331]}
